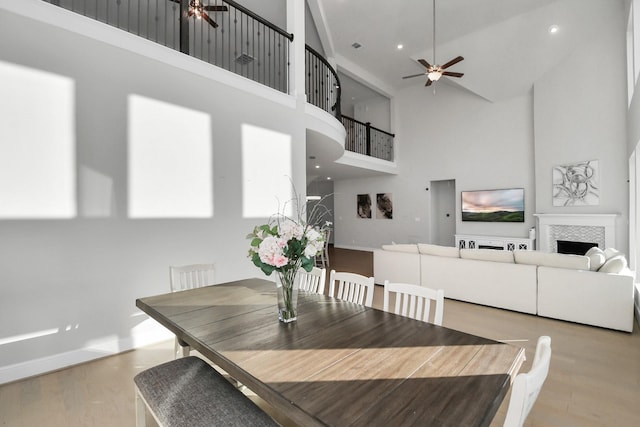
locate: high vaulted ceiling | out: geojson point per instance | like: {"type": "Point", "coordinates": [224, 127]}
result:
{"type": "Point", "coordinates": [506, 43]}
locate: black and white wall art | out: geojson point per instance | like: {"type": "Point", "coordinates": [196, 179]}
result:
{"type": "Point", "coordinates": [576, 184]}
{"type": "Point", "coordinates": [384, 206]}
{"type": "Point", "coordinates": [363, 202]}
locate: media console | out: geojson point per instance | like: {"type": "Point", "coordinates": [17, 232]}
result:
{"type": "Point", "coordinates": [468, 241]}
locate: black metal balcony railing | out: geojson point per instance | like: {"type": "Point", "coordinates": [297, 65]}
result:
{"type": "Point", "coordinates": [322, 83]}
{"type": "Point", "coordinates": [228, 35]}
{"type": "Point", "coordinates": [222, 33]}
{"type": "Point", "coordinates": [365, 139]}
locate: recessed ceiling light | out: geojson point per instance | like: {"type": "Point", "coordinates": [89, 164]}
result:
{"type": "Point", "coordinates": [317, 166]}
{"type": "Point", "coordinates": [554, 29]}
{"type": "Point", "coordinates": [329, 178]}
{"type": "Point", "coordinates": [400, 46]}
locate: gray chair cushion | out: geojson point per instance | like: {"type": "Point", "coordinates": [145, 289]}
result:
{"type": "Point", "coordinates": [189, 392]}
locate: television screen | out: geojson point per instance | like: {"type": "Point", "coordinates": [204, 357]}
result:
{"type": "Point", "coordinates": [506, 205]}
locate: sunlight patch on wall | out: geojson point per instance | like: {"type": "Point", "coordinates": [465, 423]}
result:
{"type": "Point", "coordinates": [170, 161]}
{"type": "Point", "coordinates": [28, 336]}
{"type": "Point", "coordinates": [266, 172]}
{"type": "Point", "coordinates": [37, 144]}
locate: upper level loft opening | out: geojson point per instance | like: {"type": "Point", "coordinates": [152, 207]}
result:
{"type": "Point", "coordinates": [248, 39]}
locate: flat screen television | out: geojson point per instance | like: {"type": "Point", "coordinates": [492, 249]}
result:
{"type": "Point", "coordinates": [504, 205]}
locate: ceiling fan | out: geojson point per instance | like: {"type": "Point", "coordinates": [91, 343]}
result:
{"type": "Point", "coordinates": [434, 72]}
{"type": "Point", "coordinates": [200, 11]}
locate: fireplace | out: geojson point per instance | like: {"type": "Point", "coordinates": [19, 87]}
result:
{"type": "Point", "coordinates": [597, 228]}
{"type": "Point", "coordinates": [574, 248]}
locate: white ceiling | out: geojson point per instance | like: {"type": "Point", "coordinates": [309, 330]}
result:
{"type": "Point", "coordinates": [506, 43]}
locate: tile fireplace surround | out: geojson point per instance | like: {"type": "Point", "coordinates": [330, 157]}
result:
{"type": "Point", "coordinates": [598, 228]}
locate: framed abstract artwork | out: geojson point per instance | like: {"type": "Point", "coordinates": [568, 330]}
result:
{"type": "Point", "coordinates": [363, 204]}
{"type": "Point", "coordinates": [384, 206]}
{"type": "Point", "coordinates": [576, 184]}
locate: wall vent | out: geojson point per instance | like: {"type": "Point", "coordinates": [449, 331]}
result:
{"type": "Point", "coordinates": [244, 59]}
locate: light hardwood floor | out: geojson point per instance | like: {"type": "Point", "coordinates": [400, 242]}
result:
{"type": "Point", "coordinates": [594, 379]}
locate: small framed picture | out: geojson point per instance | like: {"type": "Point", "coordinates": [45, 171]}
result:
{"type": "Point", "coordinates": [363, 202]}
{"type": "Point", "coordinates": [384, 206]}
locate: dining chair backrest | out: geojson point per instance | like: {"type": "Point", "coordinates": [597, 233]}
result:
{"type": "Point", "coordinates": [186, 277]}
{"type": "Point", "coordinates": [526, 387]}
{"type": "Point", "coordinates": [191, 276]}
{"type": "Point", "coordinates": [351, 287]}
{"type": "Point", "coordinates": [313, 281]}
{"type": "Point", "coordinates": [415, 301]}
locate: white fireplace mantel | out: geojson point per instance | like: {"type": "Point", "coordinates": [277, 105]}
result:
{"type": "Point", "coordinates": [545, 221]}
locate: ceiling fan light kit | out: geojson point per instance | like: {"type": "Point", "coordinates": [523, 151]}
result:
{"type": "Point", "coordinates": [199, 10]}
{"type": "Point", "coordinates": [434, 72]}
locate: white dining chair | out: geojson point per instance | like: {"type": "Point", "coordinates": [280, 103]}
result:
{"type": "Point", "coordinates": [191, 276]}
{"type": "Point", "coordinates": [415, 301]}
{"type": "Point", "coordinates": [351, 287]}
{"type": "Point", "coordinates": [312, 281]}
{"type": "Point", "coordinates": [322, 259]}
{"type": "Point", "coordinates": [526, 387]}
{"type": "Point", "coordinates": [186, 277]}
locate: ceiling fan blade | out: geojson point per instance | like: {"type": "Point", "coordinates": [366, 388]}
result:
{"type": "Point", "coordinates": [452, 62]}
{"type": "Point", "coordinates": [429, 82]}
{"type": "Point", "coordinates": [452, 74]}
{"type": "Point", "coordinates": [209, 20]}
{"type": "Point", "coordinates": [425, 63]}
{"type": "Point", "coordinates": [414, 75]}
{"type": "Point", "coordinates": [216, 8]}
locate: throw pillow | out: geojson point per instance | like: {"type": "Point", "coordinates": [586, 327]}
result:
{"type": "Point", "coordinates": [611, 252]}
{"type": "Point", "coordinates": [614, 264]}
{"type": "Point", "coordinates": [597, 258]}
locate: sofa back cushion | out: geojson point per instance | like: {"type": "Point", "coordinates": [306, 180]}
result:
{"type": "Point", "coordinates": [448, 251]}
{"type": "Point", "coordinates": [573, 262]}
{"type": "Point", "coordinates": [407, 247]}
{"type": "Point", "coordinates": [487, 255]}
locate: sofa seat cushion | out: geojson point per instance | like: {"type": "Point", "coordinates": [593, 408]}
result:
{"type": "Point", "coordinates": [545, 259]}
{"type": "Point", "coordinates": [406, 247]}
{"type": "Point", "coordinates": [448, 251]}
{"type": "Point", "coordinates": [597, 258]}
{"type": "Point", "coordinates": [487, 255]}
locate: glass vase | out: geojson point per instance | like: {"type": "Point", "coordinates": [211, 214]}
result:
{"type": "Point", "coordinates": [287, 291]}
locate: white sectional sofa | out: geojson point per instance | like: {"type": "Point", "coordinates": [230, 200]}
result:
{"type": "Point", "coordinates": [594, 290]}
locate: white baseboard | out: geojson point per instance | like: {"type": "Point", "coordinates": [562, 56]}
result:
{"type": "Point", "coordinates": [149, 333]}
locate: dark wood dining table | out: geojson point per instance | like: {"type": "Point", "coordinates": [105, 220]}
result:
{"type": "Point", "coordinates": [341, 364]}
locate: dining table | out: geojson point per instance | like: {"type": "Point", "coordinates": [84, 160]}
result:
{"type": "Point", "coordinates": [341, 363]}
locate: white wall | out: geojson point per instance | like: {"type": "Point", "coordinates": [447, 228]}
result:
{"type": "Point", "coordinates": [74, 281]}
{"type": "Point", "coordinates": [581, 117]}
{"type": "Point", "coordinates": [450, 135]}
{"type": "Point", "coordinates": [375, 111]}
